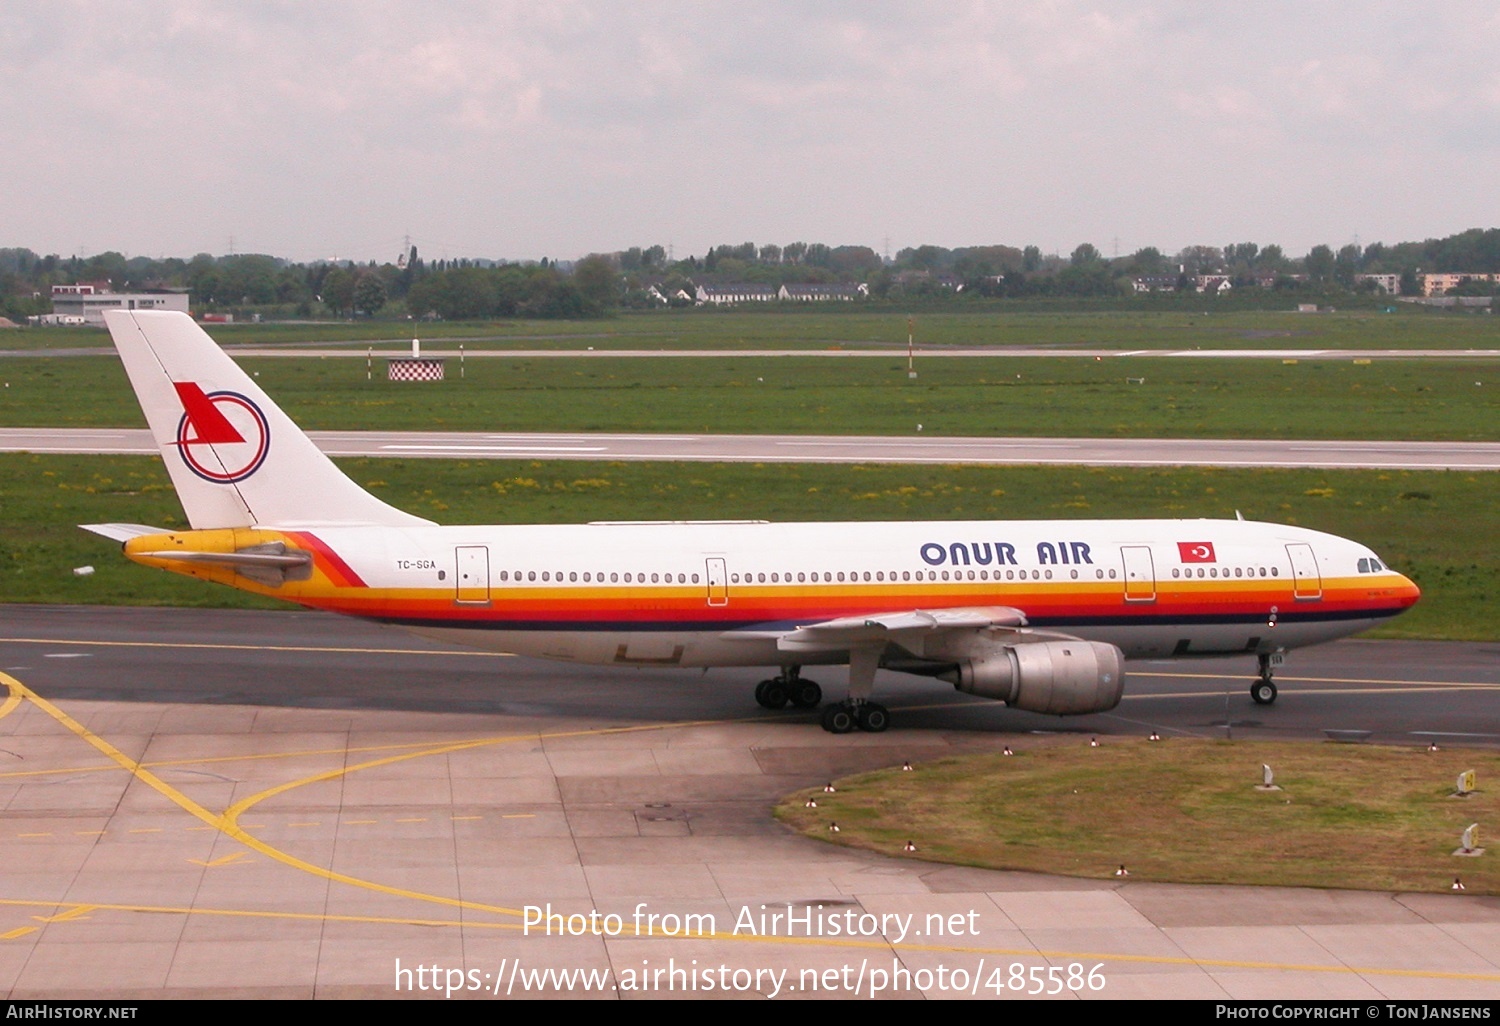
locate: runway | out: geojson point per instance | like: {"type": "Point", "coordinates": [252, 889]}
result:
{"type": "Point", "coordinates": [491, 348]}
{"type": "Point", "coordinates": [1137, 452]}
{"type": "Point", "coordinates": [246, 804]}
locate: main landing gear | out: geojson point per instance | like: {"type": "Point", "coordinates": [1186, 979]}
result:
{"type": "Point", "coordinates": [845, 716]}
{"type": "Point", "coordinates": [789, 687]}
{"type": "Point", "coordinates": [1263, 691]}
{"type": "Point", "coordinates": [856, 712]}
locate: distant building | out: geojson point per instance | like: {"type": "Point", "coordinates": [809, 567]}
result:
{"type": "Point", "coordinates": [1439, 284]}
{"type": "Point", "coordinates": [736, 292]}
{"type": "Point", "coordinates": [1390, 284]}
{"type": "Point", "coordinates": [86, 303]}
{"type": "Point", "coordinates": [822, 293]}
{"type": "Point", "coordinates": [1155, 283]}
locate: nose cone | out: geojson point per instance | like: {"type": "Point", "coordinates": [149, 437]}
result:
{"type": "Point", "coordinates": [1406, 591]}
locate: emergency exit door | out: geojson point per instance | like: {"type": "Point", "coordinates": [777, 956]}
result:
{"type": "Point", "coordinates": [472, 580]}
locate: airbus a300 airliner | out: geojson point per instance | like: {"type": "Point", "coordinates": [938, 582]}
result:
{"type": "Point", "coordinates": [1040, 615]}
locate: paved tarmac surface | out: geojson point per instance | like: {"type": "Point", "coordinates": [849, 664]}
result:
{"type": "Point", "coordinates": [216, 803]}
{"type": "Point", "coordinates": [1139, 452]}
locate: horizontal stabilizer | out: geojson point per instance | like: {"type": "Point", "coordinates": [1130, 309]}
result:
{"type": "Point", "coordinates": [122, 532]}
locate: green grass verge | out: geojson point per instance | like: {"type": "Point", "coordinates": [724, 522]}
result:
{"type": "Point", "coordinates": [1348, 816]}
{"type": "Point", "coordinates": [1438, 527]}
{"type": "Point", "coordinates": [1131, 327]}
{"type": "Point", "coordinates": [1150, 398]}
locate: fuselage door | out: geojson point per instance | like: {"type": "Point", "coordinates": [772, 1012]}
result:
{"type": "Point", "coordinates": [473, 578]}
{"type": "Point", "coordinates": [718, 582]}
{"type": "Point", "coordinates": [1140, 573]}
{"type": "Point", "coordinates": [1307, 583]}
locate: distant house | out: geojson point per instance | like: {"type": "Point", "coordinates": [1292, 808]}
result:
{"type": "Point", "coordinates": [1155, 283]}
{"type": "Point", "coordinates": [736, 292]}
{"type": "Point", "coordinates": [822, 293]}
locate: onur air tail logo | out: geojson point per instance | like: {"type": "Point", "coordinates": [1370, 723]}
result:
{"type": "Point", "coordinates": [223, 436]}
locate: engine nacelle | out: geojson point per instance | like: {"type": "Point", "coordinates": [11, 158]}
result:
{"type": "Point", "coordinates": [1063, 678]}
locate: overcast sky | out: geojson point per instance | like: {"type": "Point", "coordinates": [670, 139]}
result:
{"type": "Point", "coordinates": [559, 127]}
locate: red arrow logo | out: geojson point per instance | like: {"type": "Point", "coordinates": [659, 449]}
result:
{"type": "Point", "coordinates": [209, 425]}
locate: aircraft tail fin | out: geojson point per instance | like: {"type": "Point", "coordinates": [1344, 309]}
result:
{"type": "Point", "coordinates": [235, 458]}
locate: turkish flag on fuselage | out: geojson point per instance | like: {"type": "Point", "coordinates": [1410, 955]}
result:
{"type": "Point", "coordinates": [1196, 552]}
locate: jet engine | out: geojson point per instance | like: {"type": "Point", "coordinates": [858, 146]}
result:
{"type": "Point", "coordinates": [1063, 678]}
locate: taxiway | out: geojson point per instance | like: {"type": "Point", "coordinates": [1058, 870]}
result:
{"type": "Point", "coordinates": [225, 803]}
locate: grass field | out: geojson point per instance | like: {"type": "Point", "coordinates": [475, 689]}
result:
{"type": "Point", "coordinates": [1409, 327]}
{"type": "Point", "coordinates": [1438, 527]}
{"type": "Point", "coordinates": [1221, 398]}
{"type": "Point", "coordinates": [1348, 816]}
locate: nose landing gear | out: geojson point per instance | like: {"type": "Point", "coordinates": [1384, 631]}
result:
{"type": "Point", "coordinates": [1263, 691]}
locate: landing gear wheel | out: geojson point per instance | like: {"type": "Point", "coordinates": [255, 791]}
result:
{"type": "Point", "coordinates": [873, 717]}
{"type": "Point", "coordinates": [1263, 691]}
{"type": "Point", "coordinates": [805, 694]}
{"type": "Point", "coordinates": [838, 719]}
{"type": "Point", "coordinates": [772, 694]}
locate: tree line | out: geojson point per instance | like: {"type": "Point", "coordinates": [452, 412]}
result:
{"type": "Point", "coordinates": [642, 277]}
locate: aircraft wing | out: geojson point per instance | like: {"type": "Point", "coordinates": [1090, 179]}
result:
{"type": "Point", "coordinates": [873, 629]}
